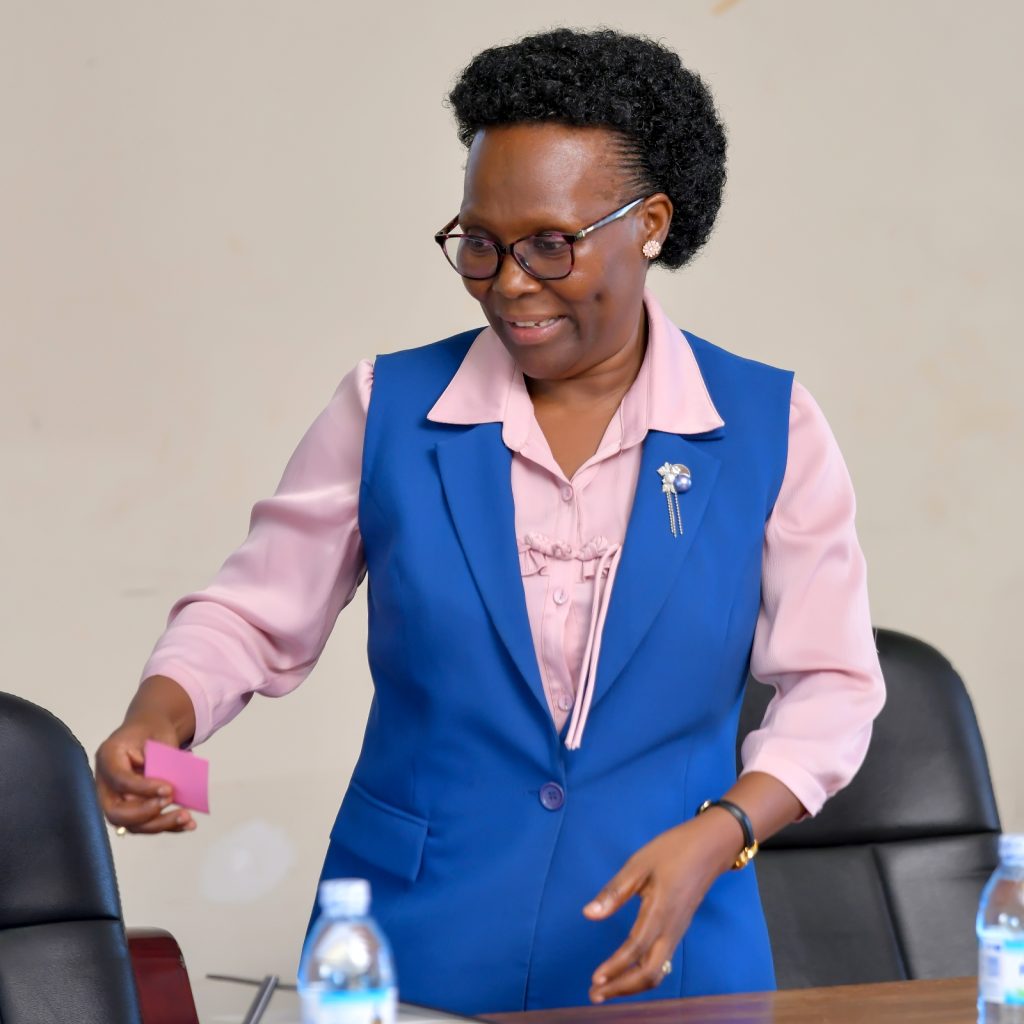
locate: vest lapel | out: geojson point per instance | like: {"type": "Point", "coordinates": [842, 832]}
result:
{"type": "Point", "coordinates": [476, 473]}
{"type": "Point", "coordinates": [651, 556]}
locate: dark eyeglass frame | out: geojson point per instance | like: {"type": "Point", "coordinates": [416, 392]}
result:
{"type": "Point", "coordinates": [442, 236]}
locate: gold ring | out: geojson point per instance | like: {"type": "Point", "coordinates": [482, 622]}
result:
{"type": "Point", "coordinates": [666, 968]}
{"type": "Point", "coordinates": [120, 831]}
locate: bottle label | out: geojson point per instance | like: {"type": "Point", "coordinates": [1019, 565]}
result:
{"type": "Point", "coordinates": [1001, 970]}
{"type": "Point", "coordinates": [376, 1006]}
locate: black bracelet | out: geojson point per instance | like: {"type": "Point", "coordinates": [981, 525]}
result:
{"type": "Point", "coordinates": [749, 842]}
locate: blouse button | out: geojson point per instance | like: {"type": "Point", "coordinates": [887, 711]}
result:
{"type": "Point", "coordinates": [566, 494]}
{"type": "Point", "coordinates": [564, 703]}
{"type": "Point", "coordinates": [559, 596]}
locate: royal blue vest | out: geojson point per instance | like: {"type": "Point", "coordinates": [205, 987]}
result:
{"type": "Point", "coordinates": [481, 834]}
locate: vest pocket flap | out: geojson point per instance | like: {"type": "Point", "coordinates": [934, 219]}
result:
{"type": "Point", "coordinates": [379, 833]}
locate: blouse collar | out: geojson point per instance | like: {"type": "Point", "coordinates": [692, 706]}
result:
{"type": "Point", "coordinates": [669, 393]}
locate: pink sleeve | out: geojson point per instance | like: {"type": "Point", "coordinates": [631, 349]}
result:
{"type": "Point", "coordinates": [814, 642]}
{"type": "Point", "coordinates": [261, 624]}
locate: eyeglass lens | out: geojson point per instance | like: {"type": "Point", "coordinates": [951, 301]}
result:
{"type": "Point", "coordinates": [544, 256]}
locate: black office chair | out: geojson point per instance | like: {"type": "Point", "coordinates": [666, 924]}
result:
{"type": "Point", "coordinates": [884, 884]}
{"type": "Point", "coordinates": [63, 953]}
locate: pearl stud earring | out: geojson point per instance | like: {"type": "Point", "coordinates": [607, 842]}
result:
{"type": "Point", "coordinates": [651, 248]}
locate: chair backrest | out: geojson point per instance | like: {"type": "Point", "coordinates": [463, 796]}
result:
{"type": "Point", "coordinates": [883, 884]}
{"type": "Point", "coordinates": [63, 952]}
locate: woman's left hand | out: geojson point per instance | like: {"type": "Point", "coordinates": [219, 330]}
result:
{"type": "Point", "coordinates": [671, 874]}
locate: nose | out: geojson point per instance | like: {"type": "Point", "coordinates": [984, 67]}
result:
{"type": "Point", "coordinates": [512, 281]}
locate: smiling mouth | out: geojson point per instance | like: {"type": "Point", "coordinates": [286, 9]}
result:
{"type": "Point", "coordinates": [547, 322]}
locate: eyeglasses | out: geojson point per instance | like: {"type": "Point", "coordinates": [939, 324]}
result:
{"type": "Point", "coordinates": [548, 256]}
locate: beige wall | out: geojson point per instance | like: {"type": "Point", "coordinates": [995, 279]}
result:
{"type": "Point", "coordinates": [188, 193]}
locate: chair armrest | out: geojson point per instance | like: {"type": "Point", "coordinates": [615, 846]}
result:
{"type": "Point", "coordinates": [165, 994]}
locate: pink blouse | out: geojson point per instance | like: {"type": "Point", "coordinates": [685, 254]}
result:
{"type": "Point", "coordinates": [262, 623]}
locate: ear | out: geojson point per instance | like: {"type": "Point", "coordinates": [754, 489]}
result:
{"type": "Point", "coordinates": [656, 216]}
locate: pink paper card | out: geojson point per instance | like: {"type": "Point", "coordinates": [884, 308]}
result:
{"type": "Point", "coordinates": [188, 774]}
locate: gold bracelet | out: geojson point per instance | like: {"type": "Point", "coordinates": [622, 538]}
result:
{"type": "Point", "coordinates": [751, 846]}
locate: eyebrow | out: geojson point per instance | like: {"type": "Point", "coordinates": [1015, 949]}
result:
{"type": "Point", "coordinates": [474, 223]}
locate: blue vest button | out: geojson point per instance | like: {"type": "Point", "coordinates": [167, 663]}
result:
{"type": "Point", "coordinates": [552, 796]}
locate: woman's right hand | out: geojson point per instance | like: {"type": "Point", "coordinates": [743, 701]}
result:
{"type": "Point", "coordinates": [160, 711]}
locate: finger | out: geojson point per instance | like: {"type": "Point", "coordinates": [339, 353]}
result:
{"type": "Point", "coordinates": [132, 812]}
{"type": "Point", "coordinates": [616, 893]}
{"type": "Point", "coordinates": [175, 820]}
{"type": "Point", "coordinates": [120, 777]}
{"type": "Point", "coordinates": [115, 770]}
{"type": "Point", "coordinates": [641, 977]}
{"type": "Point", "coordinates": [129, 808]}
{"type": "Point", "coordinates": [649, 924]}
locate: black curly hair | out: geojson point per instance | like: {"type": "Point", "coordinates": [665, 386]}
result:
{"type": "Point", "coordinates": [671, 139]}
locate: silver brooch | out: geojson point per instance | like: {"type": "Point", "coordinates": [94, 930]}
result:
{"type": "Point", "coordinates": [675, 480]}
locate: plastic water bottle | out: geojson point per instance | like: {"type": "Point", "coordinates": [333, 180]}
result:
{"type": "Point", "coordinates": [1001, 938]}
{"type": "Point", "coordinates": [346, 974]}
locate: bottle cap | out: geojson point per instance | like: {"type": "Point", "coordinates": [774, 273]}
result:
{"type": "Point", "coordinates": [1011, 849]}
{"type": "Point", "coordinates": [345, 897]}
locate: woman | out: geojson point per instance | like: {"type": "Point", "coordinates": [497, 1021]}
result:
{"type": "Point", "coordinates": [672, 514]}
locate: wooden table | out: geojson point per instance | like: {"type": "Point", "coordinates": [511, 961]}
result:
{"type": "Point", "coordinates": [949, 1001]}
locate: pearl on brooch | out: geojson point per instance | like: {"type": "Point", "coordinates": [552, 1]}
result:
{"type": "Point", "coordinates": [675, 480]}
